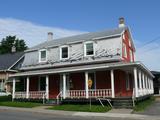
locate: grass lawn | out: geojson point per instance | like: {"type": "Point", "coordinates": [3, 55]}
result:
{"type": "Point", "coordinates": [81, 108]}
{"type": "Point", "coordinates": [141, 106]}
{"type": "Point", "coordinates": [20, 104]}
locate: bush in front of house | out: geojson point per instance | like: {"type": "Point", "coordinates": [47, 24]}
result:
{"type": "Point", "coordinates": [5, 98]}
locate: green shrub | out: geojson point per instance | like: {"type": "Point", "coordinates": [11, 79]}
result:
{"type": "Point", "coordinates": [5, 98]}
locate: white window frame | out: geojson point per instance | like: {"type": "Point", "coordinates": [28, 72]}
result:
{"type": "Point", "coordinates": [61, 52]}
{"type": "Point", "coordinates": [125, 50]}
{"type": "Point", "coordinates": [40, 60]}
{"type": "Point", "coordinates": [85, 52]}
{"type": "Point", "coordinates": [131, 55]}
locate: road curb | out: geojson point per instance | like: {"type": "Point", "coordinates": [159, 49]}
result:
{"type": "Point", "coordinates": [81, 114]}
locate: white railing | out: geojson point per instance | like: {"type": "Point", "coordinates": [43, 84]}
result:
{"type": "Point", "coordinates": [59, 97]}
{"type": "Point", "coordinates": [20, 95]}
{"type": "Point", "coordinates": [100, 93]}
{"type": "Point", "coordinates": [37, 94]}
{"type": "Point", "coordinates": [76, 93]}
{"type": "Point", "coordinates": [93, 93]}
{"type": "Point", "coordinates": [32, 95]}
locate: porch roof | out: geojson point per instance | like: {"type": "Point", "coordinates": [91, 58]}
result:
{"type": "Point", "coordinates": [115, 65]}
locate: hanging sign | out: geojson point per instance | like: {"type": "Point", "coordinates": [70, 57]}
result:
{"type": "Point", "coordinates": [90, 83]}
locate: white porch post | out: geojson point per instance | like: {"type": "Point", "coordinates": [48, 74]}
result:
{"type": "Point", "coordinates": [143, 85]}
{"type": "Point", "coordinates": [13, 88]}
{"type": "Point", "coordinates": [140, 81]}
{"type": "Point", "coordinates": [146, 84]}
{"type": "Point", "coordinates": [152, 88]}
{"type": "Point", "coordinates": [112, 83]}
{"type": "Point", "coordinates": [64, 86]}
{"type": "Point", "coordinates": [27, 88]}
{"type": "Point", "coordinates": [86, 84]}
{"type": "Point", "coordinates": [135, 81]}
{"type": "Point", "coordinates": [149, 85]}
{"type": "Point", "coordinates": [47, 87]}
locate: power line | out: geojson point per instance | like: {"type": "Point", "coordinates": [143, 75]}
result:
{"type": "Point", "coordinates": [149, 42]}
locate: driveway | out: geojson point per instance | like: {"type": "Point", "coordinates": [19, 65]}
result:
{"type": "Point", "coordinates": [154, 109]}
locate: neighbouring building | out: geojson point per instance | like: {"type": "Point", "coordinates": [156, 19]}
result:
{"type": "Point", "coordinates": [91, 65]}
{"type": "Point", "coordinates": [9, 64]}
{"type": "Point", "coordinates": [156, 82]}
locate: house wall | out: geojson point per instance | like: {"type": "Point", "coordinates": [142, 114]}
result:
{"type": "Point", "coordinates": [54, 85]}
{"type": "Point", "coordinates": [103, 80]}
{"type": "Point", "coordinates": [78, 81]}
{"type": "Point", "coordinates": [105, 49]}
{"type": "Point", "coordinates": [129, 47]}
{"type": "Point", "coordinates": [120, 84]}
{"type": "Point", "coordinates": [33, 84]}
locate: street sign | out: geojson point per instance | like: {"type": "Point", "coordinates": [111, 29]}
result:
{"type": "Point", "coordinates": [90, 83]}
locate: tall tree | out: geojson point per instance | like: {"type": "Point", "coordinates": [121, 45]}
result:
{"type": "Point", "coordinates": [8, 42]}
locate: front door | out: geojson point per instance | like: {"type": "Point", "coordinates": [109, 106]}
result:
{"type": "Point", "coordinates": [54, 88]}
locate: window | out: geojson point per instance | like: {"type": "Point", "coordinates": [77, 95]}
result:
{"type": "Point", "coordinates": [42, 55]}
{"type": "Point", "coordinates": [64, 52]}
{"type": "Point", "coordinates": [89, 49]}
{"type": "Point", "coordinates": [42, 83]}
{"type": "Point", "coordinates": [124, 50]}
{"type": "Point", "coordinates": [127, 81]}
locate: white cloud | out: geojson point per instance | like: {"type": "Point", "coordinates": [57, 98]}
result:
{"type": "Point", "coordinates": [32, 33]}
{"type": "Point", "coordinates": [149, 55]}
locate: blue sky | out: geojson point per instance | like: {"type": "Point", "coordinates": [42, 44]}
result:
{"type": "Point", "coordinates": [32, 19]}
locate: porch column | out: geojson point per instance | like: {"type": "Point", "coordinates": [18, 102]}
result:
{"type": "Point", "coordinates": [135, 82]}
{"type": "Point", "coordinates": [86, 84]}
{"type": "Point", "coordinates": [27, 88]}
{"type": "Point", "coordinates": [13, 88]}
{"type": "Point", "coordinates": [143, 85]}
{"type": "Point", "coordinates": [64, 86]}
{"type": "Point", "coordinates": [112, 83]}
{"type": "Point", "coordinates": [152, 88]}
{"type": "Point", "coordinates": [149, 80]}
{"type": "Point", "coordinates": [140, 81]}
{"type": "Point", "coordinates": [47, 87]}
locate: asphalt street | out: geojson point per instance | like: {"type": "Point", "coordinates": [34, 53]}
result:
{"type": "Point", "coordinates": [20, 115]}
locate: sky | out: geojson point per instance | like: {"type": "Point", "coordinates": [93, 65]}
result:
{"type": "Point", "coordinates": [32, 19]}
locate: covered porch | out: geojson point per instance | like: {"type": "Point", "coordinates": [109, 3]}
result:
{"type": "Point", "coordinates": [116, 80]}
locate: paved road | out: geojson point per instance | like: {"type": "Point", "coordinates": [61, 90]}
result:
{"type": "Point", "coordinates": [19, 115]}
{"type": "Point", "coordinates": [153, 109]}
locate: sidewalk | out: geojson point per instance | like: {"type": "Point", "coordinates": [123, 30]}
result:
{"type": "Point", "coordinates": [42, 110]}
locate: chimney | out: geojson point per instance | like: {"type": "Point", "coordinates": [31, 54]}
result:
{"type": "Point", "coordinates": [50, 36]}
{"type": "Point", "coordinates": [121, 22]}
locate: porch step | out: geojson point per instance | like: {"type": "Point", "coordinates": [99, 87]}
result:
{"type": "Point", "coordinates": [51, 102]}
{"type": "Point", "coordinates": [122, 103]}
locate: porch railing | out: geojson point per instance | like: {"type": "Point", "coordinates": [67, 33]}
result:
{"type": "Point", "coordinates": [20, 95]}
{"type": "Point", "coordinates": [32, 95]}
{"type": "Point", "coordinates": [36, 94]}
{"type": "Point", "coordinates": [93, 93]}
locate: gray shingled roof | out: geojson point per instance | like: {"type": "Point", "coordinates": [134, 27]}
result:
{"type": "Point", "coordinates": [7, 60]}
{"type": "Point", "coordinates": [82, 68]}
{"type": "Point", "coordinates": [81, 37]}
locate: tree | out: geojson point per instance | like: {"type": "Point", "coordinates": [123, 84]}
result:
{"type": "Point", "coordinates": [10, 41]}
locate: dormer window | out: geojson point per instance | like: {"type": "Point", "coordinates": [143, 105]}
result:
{"type": "Point", "coordinates": [64, 52]}
{"type": "Point", "coordinates": [43, 55]}
{"type": "Point", "coordinates": [89, 49]}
